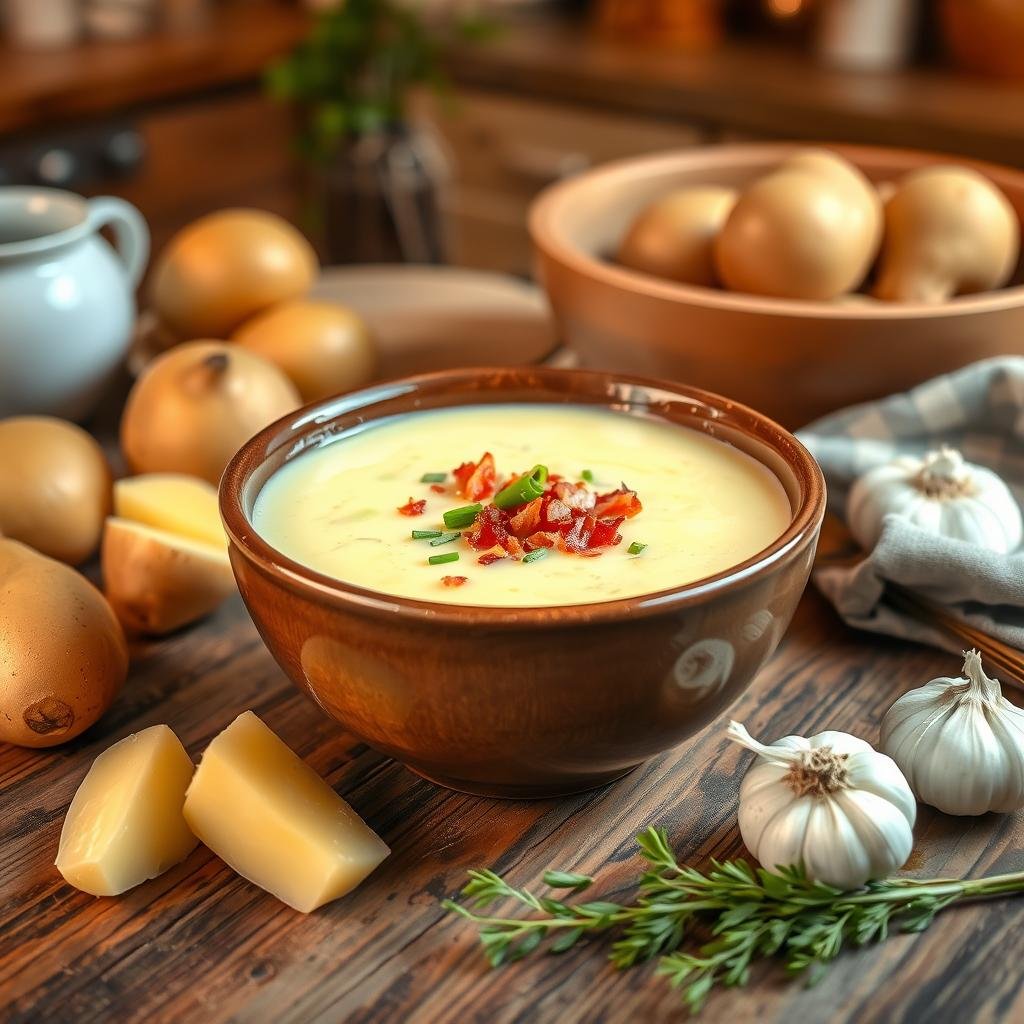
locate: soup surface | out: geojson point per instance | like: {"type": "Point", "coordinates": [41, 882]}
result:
{"type": "Point", "coordinates": [705, 505]}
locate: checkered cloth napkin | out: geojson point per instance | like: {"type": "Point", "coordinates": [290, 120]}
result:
{"type": "Point", "coordinates": [980, 411]}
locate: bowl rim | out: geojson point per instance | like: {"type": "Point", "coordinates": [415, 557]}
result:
{"type": "Point", "coordinates": [310, 422]}
{"type": "Point", "coordinates": [551, 243]}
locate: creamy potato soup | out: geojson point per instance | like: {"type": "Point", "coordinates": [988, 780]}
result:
{"type": "Point", "coordinates": [571, 505]}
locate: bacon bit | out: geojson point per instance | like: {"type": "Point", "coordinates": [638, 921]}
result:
{"type": "Point", "coordinates": [437, 488]}
{"type": "Point", "coordinates": [413, 508]}
{"type": "Point", "coordinates": [490, 557]}
{"type": "Point", "coordinates": [527, 519]}
{"type": "Point", "coordinates": [575, 495]}
{"type": "Point", "coordinates": [556, 512]}
{"type": "Point", "coordinates": [476, 481]}
{"type": "Point", "coordinates": [454, 581]}
{"type": "Point", "coordinates": [622, 502]}
{"type": "Point", "coordinates": [540, 540]}
{"type": "Point", "coordinates": [488, 531]}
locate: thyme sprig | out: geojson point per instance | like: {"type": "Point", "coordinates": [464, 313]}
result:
{"type": "Point", "coordinates": [751, 915]}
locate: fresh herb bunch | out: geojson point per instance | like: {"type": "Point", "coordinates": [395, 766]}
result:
{"type": "Point", "coordinates": [750, 914]}
{"type": "Point", "coordinates": [352, 75]}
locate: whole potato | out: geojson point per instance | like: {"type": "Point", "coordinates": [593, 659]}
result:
{"type": "Point", "coordinates": [323, 347]}
{"type": "Point", "coordinates": [197, 404]}
{"type": "Point", "coordinates": [63, 656]}
{"type": "Point", "coordinates": [225, 267]}
{"type": "Point", "coordinates": [948, 231]}
{"type": "Point", "coordinates": [55, 487]}
{"type": "Point", "coordinates": [674, 236]}
{"type": "Point", "coordinates": [808, 230]}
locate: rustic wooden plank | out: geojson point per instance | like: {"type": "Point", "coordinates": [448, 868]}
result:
{"type": "Point", "coordinates": [200, 944]}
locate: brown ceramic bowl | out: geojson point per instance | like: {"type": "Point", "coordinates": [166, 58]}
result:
{"type": "Point", "coordinates": [795, 360]}
{"type": "Point", "coordinates": [528, 701]}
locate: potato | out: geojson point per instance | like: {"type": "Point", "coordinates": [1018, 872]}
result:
{"type": "Point", "coordinates": [674, 236]}
{"type": "Point", "coordinates": [196, 405]}
{"type": "Point", "coordinates": [54, 487]}
{"type": "Point", "coordinates": [324, 348]}
{"type": "Point", "coordinates": [157, 581]}
{"type": "Point", "coordinates": [63, 656]}
{"type": "Point", "coordinates": [179, 504]}
{"type": "Point", "coordinates": [948, 231]}
{"type": "Point", "coordinates": [225, 267]}
{"type": "Point", "coordinates": [808, 230]}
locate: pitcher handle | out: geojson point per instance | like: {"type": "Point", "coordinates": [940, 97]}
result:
{"type": "Point", "coordinates": [130, 232]}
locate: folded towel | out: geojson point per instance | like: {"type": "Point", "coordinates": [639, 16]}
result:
{"type": "Point", "coordinates": [978, 410]}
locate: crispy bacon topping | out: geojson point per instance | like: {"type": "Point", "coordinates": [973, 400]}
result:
{"type": "Point", "coordinates": [622, 502]}
{"type": "Point", "coordinates": [476, 481]}
{"type": "Point", "coordinates": [454, 581]}
{"type": "Point", "coordinates": [413, 508]}
{"type": "Point", "coordinates": [569, 516]}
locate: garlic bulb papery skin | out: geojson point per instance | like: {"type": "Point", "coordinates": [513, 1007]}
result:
{"type": "Point", "coordinates": [959, 742]}
{"type": "Point", "coordinates": [940, 493]}
{"type": "Point", "coordinates": [830, 803]}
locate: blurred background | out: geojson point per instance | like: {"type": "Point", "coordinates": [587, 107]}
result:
{"type": "Point", "coordinates": [421, 131]}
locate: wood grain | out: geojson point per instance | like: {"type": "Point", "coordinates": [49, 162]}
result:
{"type": "Point", "coordinates": [200, 944]}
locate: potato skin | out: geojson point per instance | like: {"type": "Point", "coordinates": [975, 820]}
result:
{"type": "Point", "coordinates": [323, 347]}
{"type": "Point", "coordinates": [227, 266]}
{"type": "Point", "coordinates": [63, 656]}
{"type": "Point", "coordinates": [156, 582]}
{"type": "Point", "coordinates": [55, 487]}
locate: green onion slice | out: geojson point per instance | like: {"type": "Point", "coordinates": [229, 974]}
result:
{"type": "Point", "coordinates": [445, 538]}
{"type": "Point", "coordinates": [524, 489]}
{"type": "Point", "coordinates": [433, 478]}
{"type": "Point", "coordinates": [425, 534]}
{"type": "Point", "coordinates": [587, 475]}
{"type": "Point", "coordinates": [636, 547]}
{"type": "Point", "coordinates": [448, 556]}
{"type": "Point", "coordinates": [459, 518]}
{"type": "Point", "coordinates": [536, 555]}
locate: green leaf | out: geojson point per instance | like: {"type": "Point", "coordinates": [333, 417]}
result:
{"type": "Point", "coordinates": [567, 880]}
{"type": "Point", "coordinates": [566, 940]}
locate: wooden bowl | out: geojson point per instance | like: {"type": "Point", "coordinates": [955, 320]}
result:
{"type": "Point", "coordinates": [523, 702]}
{"type": "Point", "coordinates": [795, 360]}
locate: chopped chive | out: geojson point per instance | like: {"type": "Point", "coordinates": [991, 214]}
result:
{"type": "Point", "coordinates": [425, 534]}
{"type": "Point", "coordinates": [448, 556]}
{"type": "Point", "coordinates": [523, 489]}
{"type": "Point", "coordinates": [587, 475]}
{"type": "Point", "coordinates": [433, 478]}
{"type": "Point", "coordinates": [536, 556]}
{"type": "Point", "coordinates": [636, 547]}
{"type": "Point", "coordinates": [457, 518]}
{"type": "Point", "coordinates": [445, 538]}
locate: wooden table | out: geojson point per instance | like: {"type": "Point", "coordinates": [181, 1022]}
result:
{"type": "Point", "coordinates": [200, 944]}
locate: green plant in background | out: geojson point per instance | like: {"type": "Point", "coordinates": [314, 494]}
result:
{"type": "Point", "coordinates": [353, 73]}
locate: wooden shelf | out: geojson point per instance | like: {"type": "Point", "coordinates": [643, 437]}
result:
{"type": "Point", "coordinates": [755, 89]}
{"type": "Point", "coordinates": [97, 78]}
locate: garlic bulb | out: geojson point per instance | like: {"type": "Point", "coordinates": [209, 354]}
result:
{"type": "Point", "coordinates": [939, 493]}
{"type": "Point", "coordinates": [959, 742]}
{"type": "Point", "coordinates": [830, 802]}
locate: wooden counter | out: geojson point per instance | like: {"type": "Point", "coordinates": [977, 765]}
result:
{"type": "Point", "coordinates": [200, 945]}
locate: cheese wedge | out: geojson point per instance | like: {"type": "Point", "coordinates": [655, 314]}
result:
{"type": "Point", "coordinates": [269, 816]}
{"type": "Point", "coordinates": [125, 823]}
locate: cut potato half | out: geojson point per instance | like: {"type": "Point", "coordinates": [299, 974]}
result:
{"type": "Point", "coordinates": [125, 824]}
{"type": "Point", "coordinates": [157, 581]}
{"type": "Point", "coordinates": [174, 502]}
